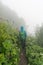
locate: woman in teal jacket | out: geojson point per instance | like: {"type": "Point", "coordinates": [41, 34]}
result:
{"type": "Point", "coordinates": [22, 37]}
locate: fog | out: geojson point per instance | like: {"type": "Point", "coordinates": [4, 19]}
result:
{"type": "Point", "coordinates": [6, 14]}
{"type": "Point", "coordinates": [30, 10]}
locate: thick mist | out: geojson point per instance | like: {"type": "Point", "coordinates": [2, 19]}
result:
{"type": "Point", "coordinates": [11, 16]}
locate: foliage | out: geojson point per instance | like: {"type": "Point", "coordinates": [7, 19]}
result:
{"type": "Point", "coordinates": [39, 35]}
{"type": "Point", "coordinates": [34, 53]}
{"type": "Point", "coordinates": [10, 46]}
{"type": "Point", "coordinates": [9, 51]}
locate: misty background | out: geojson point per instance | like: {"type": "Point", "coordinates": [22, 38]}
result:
{"type": "Point", "coordinates": [11, 16]}
{"type": "Point", "coordinates": [28, 13]}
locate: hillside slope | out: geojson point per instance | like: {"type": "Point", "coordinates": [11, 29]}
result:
{"type": "Point", "coordinates": [9, 15]}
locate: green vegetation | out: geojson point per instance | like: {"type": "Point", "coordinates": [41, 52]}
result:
{"type": "Point", "coordinates": [39, 35]}
{"type": "Point", "coordinates": [34, 53]}
{"type": "Point", "coordinates": [9, 51]}
{"type": "Point", "coordinates": [10, 46]}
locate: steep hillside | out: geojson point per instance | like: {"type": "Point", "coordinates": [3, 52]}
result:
{"type": "Point", "coordinates": [9, 15]}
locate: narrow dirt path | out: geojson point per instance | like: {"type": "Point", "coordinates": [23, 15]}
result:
{"type": "Point", "coordinates": [23, 60]}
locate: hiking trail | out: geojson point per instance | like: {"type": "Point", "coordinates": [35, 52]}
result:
{"type": "Point", "coordinates": [23, 60]}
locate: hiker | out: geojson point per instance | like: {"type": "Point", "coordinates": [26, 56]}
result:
{"type": "Point", "coordinates": [22, 35]}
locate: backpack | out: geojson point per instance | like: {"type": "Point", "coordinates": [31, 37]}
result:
{"type": "Point", "coordinates": [22, 35]}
